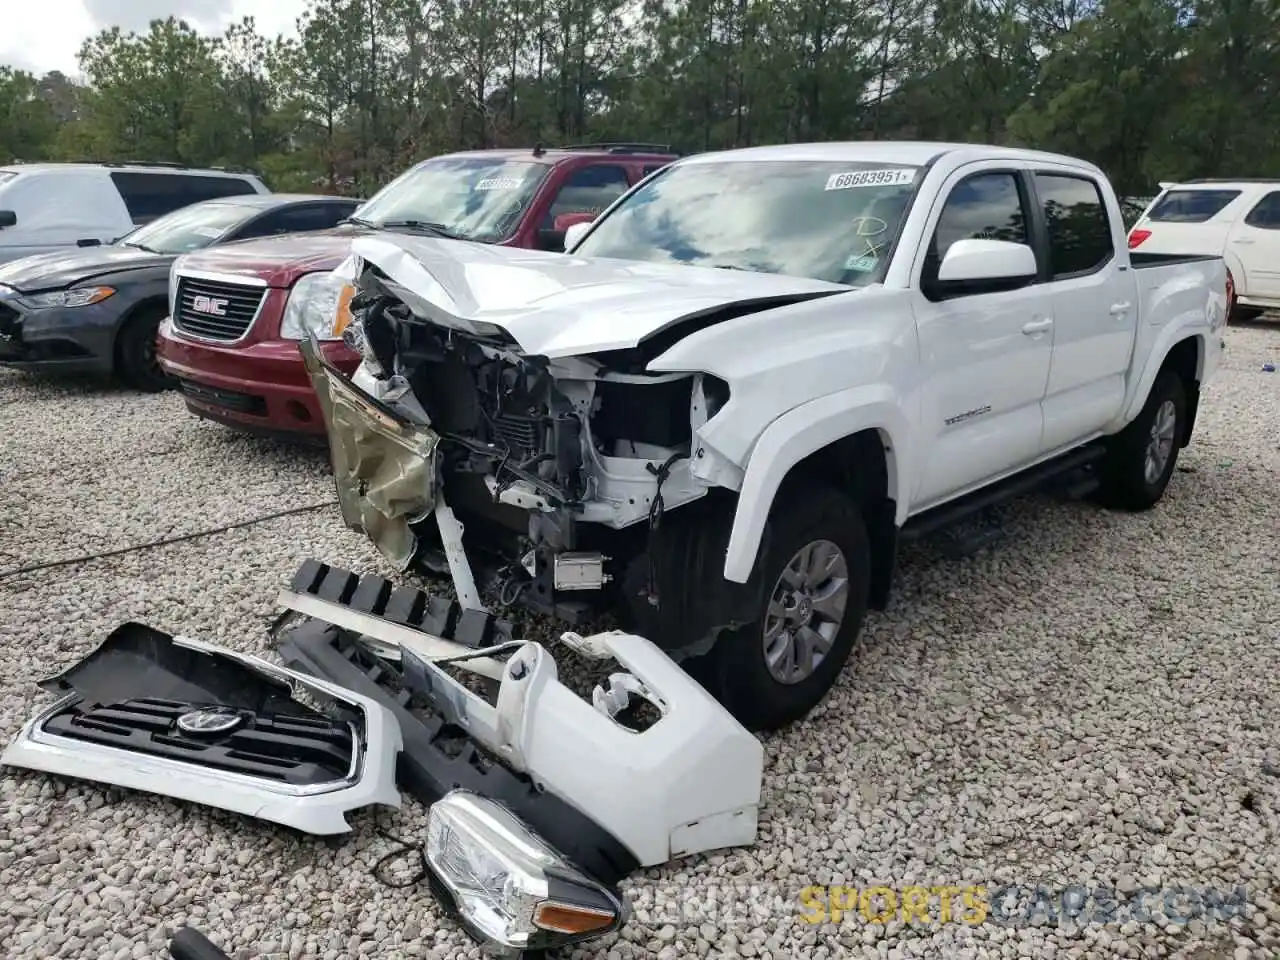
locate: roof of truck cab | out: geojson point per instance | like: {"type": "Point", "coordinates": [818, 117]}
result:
{"type": "Point", "coordinates": [888, 151]}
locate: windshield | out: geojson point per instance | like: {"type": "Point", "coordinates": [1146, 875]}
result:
{"type": "Point", "coordinates": [191, 228]}
{"type": "Point", "coordinates": [833, 221]}
{"type": "Point", "coordinates": [473, 198]}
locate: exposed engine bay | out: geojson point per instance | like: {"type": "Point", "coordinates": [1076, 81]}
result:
{"type": "Point", "coordinates": [559, 470]}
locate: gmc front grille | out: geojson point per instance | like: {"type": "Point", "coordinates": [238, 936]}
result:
{"type": "Point", "coordinates": [215, 310]}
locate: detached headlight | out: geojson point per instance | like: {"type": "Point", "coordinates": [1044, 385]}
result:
{"type": "Point", "coordinates": [314, 308]}
{"type": "Point", "coordinates": [509, 888]}
{"type": "Point", "coordinates": [77, 297]}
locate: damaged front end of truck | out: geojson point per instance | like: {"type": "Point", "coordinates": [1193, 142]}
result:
{"type": "Point", "coordinates": [506, 429]}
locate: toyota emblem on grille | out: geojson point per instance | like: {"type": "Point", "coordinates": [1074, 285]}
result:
{"type": "Point", "coordinates": [214, 305]}
{"type": "Point", "coordinates": [209, 720]}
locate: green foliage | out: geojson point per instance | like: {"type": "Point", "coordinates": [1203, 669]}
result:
{"type": "Point", "coordinates": [1148, 89]}
{"type": "Point", "coordinates": [27, 123]}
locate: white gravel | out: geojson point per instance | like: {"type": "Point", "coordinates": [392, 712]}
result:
{"type": "Point", "coordinates": [1094, 701]}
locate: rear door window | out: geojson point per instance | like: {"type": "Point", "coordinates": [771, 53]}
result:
{"type": "Point", "coordinates": [1266, 213]}
{"type": "Point", "coordinates": [588, 190]}
{"type": "Point", "coordinates": [151, 195]}
{"type": "Point", "coordinates": [1191, 206]}
{"type": "Point", "coordinates": [312, 216]}
{"type": "Point", "coordinates": [1076, 217]}
{"type": "Point", "coordinates": [296, 219]}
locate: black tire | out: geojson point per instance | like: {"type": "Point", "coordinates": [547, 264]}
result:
{"type": "Point", "coordinates": [736, 671]}
{"type": "Point", "coordinates": [1126, 483]}
{"type": "Point", "coordinates": [136, 361]}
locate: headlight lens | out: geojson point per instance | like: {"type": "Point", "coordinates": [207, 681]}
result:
{"type": "Point", "coordinates": [509, 887]}
{"type": "Point", "coordinates": [173, 285]}
{"type": "Point", "coordinates": [313, 308]}
{"type": "Point", "coordinates": [76, 297]}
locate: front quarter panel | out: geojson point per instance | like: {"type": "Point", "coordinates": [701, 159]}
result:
{"type": "Point", "coordinates": [95, 327]}
{"type": "Point", "coordinates": [800, 378]}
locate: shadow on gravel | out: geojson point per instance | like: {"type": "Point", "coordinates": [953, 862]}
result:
{"type": "Point", "coordinates": [47, 385]}
{"type": "Point", "coordinates": [309, 450]}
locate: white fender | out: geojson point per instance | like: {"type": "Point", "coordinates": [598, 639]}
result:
{"type": "Point", "coordinates": [794, 436]}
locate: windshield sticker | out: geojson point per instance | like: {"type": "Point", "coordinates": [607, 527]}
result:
{"type": "Point", "coordinates": [861, 263]}
{"type": "Point", "coordinates": [498, 183]}
{"type": "Point", "coordinates": [869, 178]}
{"type": "Point", "coordinates": [211, 232]}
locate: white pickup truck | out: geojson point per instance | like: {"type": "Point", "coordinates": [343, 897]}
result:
{"type": "Point", "coordinates": [750, 378]}
{"type": "Point", "coordinates": [759, 370]}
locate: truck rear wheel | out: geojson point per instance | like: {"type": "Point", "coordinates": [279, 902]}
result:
{"type": "Point", "coordinates": [1141, 457]}
{"type": "Point", "coordinates": [814, 574]}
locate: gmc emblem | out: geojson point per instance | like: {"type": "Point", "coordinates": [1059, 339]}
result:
{"type": "Point", "coordinates": [213, 305]}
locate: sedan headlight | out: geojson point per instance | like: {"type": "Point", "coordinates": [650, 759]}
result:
{"type": "Point", "coordinates": [75, 297]}
{"type": "Point", "coordinates": [313, 308]}
{"type": "Point", "coordinates": [509, 888]}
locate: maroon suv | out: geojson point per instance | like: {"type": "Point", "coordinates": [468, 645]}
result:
{"type": "Point", "coordinates": [238, 311]}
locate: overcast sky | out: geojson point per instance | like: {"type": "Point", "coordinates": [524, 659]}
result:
{"type": "Point", "coordinates": [44, 35]}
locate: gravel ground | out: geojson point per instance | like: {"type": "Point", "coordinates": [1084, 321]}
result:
{"type": "Point", "coordinates": [1093, 701]}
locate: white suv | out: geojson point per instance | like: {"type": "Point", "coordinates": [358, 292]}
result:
{"type": "Point", "coordinates": [46, 207]}
{"type": "Point", "coordinates": [1238, 220]}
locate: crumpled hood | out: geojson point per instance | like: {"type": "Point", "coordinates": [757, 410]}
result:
{"type": "Point", "coordinates": [559, 305]}
{"type": "Point", "coordinates": [61, 268]}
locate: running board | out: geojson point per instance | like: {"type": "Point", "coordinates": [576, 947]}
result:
{"type": "Point", "coordinates": [373, 607]}
{"type": "Point", "coordinates": [956, 511]}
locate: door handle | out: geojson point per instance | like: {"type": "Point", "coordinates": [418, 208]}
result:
{"type": "Point", "coordinates": [1242, 240]}
{"type": "Point", "coordinates": [1121, 308]}
{"type": "Point", "coordinates": [1037, 326]}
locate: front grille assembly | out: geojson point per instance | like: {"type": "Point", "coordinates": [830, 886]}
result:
{"type": "Point", "coordinates": [290, 749]}
{"type": "Point", "coordinates": [215, 310]}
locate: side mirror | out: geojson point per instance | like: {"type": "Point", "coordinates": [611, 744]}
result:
{"type": "Point", "coordinates": [574, 234]}
{"type": "Point", "coordinates": [7, 218]}
{"type": "Point", "coordinates": [979, 260]}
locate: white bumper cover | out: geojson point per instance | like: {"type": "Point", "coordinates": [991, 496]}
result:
{"type": "Point", "coordinates": [690, 782]}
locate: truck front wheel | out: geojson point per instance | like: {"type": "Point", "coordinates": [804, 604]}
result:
{"type": "Point", "coordinates": [814, 575]}
{"type": "Point", "coordinates": [1140, 458]}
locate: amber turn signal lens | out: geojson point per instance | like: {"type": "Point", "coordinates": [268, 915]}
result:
{"type": "Point", "coordinates": [343, 317]}
{"type": "Point", "coordinates": [566, 918]}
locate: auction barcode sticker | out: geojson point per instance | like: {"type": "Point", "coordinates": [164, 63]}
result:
{"type": "Point", "coordinates": [498, 183]}
{"type": "Point", "coordinates": [869, 178]}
